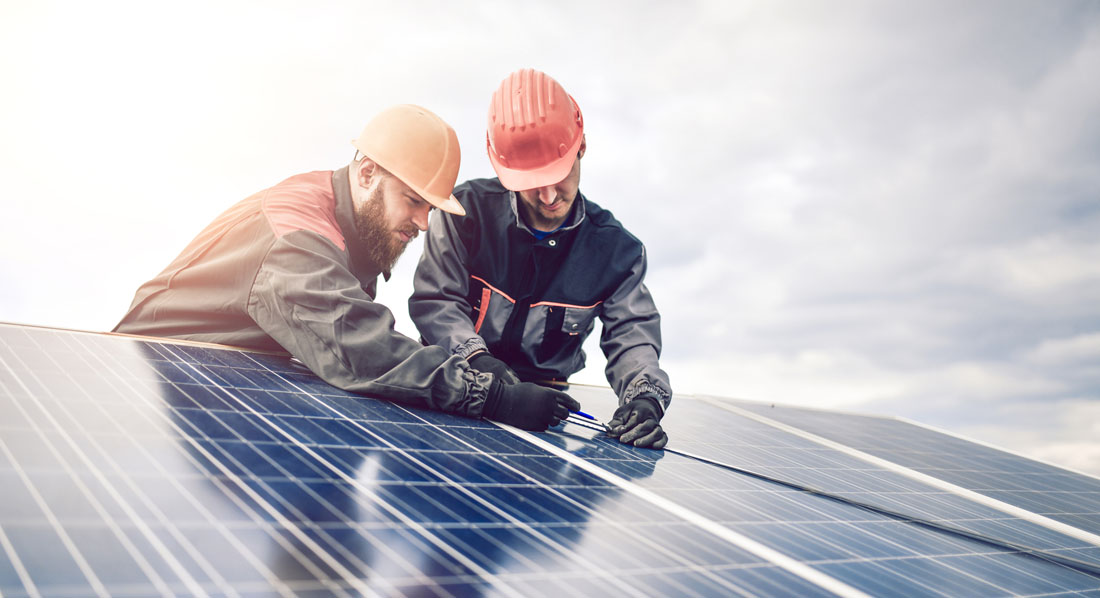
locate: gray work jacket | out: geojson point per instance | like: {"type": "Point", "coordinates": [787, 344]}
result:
{"type": "Point", "coordinates": [285, 270]}
{"type": "Point", "coordinates": [485, 281]}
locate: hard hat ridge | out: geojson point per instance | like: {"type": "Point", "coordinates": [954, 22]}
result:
{"type": "Point", "coordinates": [534, 132]}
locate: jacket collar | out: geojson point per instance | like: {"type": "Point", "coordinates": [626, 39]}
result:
{"type": "Point", "coordinates": [576, 215]}
{"type": "Point", "coordinates": [345, 218]}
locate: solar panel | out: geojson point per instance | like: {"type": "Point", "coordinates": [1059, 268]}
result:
{"type": "Point", "coordinates": [136, 468]}
{"type": "Point", "coordinates": [1066, 496]}
{"type": "Point", "coordinates": [772, 453]}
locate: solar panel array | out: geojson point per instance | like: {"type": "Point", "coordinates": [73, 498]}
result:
{"type": "Point", "coordinates": [133, 467]}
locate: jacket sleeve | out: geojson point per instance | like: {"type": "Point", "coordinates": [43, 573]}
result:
{"type": "Point", "coordinates": [305, 297]}
{"type": "Point", "coordinates": [438, 305]}
{"type": "Point", "coordinates": [631, 339]}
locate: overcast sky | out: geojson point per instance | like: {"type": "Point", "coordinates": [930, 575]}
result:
{"type": "Point", "coordinates": [890, 208]}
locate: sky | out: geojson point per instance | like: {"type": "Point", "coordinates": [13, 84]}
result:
{"type": "Point", "coordinates": [879, 207]}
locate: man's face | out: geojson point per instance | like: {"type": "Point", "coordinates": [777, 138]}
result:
{"type": "Point", "coordinates": [388, 215]}
{"type": "Point", "coordinates": [546, 208]}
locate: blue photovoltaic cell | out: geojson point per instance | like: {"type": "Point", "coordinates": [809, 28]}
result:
{"type": "Point", "coordinates": [761, 448]}
{"type": "Point", "coordinates": [134, 468]}
{"type": "Point", "coordinates": [1062, 495]}
{"type": "Point", "coordinates": [874, 553]}
{"type": "Point", "coordinates": [136, 473]}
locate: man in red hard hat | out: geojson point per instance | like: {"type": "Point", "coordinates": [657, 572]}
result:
{"type": "Point", "coordinates": [295, 267]}
{"type": "Point", "coordinates": [515, 287]}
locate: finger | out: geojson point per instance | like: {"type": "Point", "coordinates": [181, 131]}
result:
{"type": "Point", "coordinates": [560, 412]}
{"type": "Point", "coordinates": [614, 428]}
{"type": "Point", "coordinates": [633, 420]}
{"type": "Point", "coordinates": [555, 420]}
{"type": "Point", "coordinates": [624, 426]}
{"type": "Point", "coordinates": [639, 431]}
{"type": "Point", "coordinates": [568, 402]}
{"type": "Point", "coordinates": [655, 439]}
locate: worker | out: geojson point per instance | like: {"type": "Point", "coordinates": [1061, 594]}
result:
{"type": "Point", "coordinates": [294, 269]}
{"type": "Point", "coordinates": [516, 285]}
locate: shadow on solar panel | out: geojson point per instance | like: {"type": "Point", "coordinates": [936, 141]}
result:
{"type": "Point", "coordinates": [142, 468]}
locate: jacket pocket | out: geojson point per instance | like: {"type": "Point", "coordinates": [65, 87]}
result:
{"type": "Point", "coordinates": [491, 309]}
{"type": "Point", "coordinates": [577, 320]}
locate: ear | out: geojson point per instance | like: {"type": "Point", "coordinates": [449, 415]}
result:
{"type": "Point", "coordinates": [584, 146]}
{"type": "Point", "coordinates": [365, 172]}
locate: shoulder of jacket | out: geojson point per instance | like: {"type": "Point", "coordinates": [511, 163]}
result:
{"type": "Point", "coordinates": [304, 202]}
{"type": "Point", "coordinates": [606, 224]}
{"type": "Point", "coordinates": [478, 190]}
{"type": "Point", "coordinates": [480, 197]}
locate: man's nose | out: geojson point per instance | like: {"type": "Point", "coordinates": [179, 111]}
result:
{"type": "Point", "coordinates": [420, 218]}
{"type": "Point", "coordinates": [547, 195]}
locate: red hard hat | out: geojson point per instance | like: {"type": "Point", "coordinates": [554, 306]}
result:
{"type": "Point", "coordinates": [535, 131]}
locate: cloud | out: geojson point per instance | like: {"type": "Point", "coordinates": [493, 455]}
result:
{"type": "Point", "coordinates": [849, 204]}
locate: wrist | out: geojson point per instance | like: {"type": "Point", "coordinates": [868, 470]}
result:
{"type": "Point", "coordinates": [492, 399]}
{"type": "Point", "coordinates": [652, 401]}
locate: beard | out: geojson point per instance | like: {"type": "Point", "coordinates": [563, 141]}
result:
{"type": "Point", "coordinates": [379, 242]}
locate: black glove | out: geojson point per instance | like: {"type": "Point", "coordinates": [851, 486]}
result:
{"type": "Point", "coordinates": [485, 362]}
{"type": "Point", "coordinates": [528, 406]}
{"type": "Point", "coordinates": [637, 423]}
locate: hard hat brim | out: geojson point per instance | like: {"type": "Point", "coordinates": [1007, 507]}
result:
{"type": "Point", "coordinates": [447, 203]}
{"type": "Point", "coordinates": [551, 174]}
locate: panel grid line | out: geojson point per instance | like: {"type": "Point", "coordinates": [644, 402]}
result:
{"type": "Point", "coordinates": [321, 552]}
{"type": "Point", "coordinates": [199, 506]}
{"type": "Point", "coordinates": [259, 501]}
{"type": "Point", "coordinates": [96, 504]}
{"type": "Point", "coordinates": [274, 512]}
{"type": "Point", "coordinates": [232, 458]}
{"type": "Point", "coordinates": [17, 563]}
{"type": "Point", "coordinates": [837, 587]}
{"type": "Point", "coordinates": [1004, 507]}
{"type": "Point", "coordinates": [461, 488]}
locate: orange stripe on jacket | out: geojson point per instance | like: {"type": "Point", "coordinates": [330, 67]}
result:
{"type": "Point", "coordinates": [486, 294]}
{"type": "Point", "coordinates": [495, 290]}
{"type": "Point", "coordinates": [552, 304]}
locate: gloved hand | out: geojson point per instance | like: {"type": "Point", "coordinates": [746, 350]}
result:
{"type": "Point", "coordinates": [485, 362]}
{"type": "Point", "coordinates": [528, 406]}
{"type": "Point", "coordinates": [636, 423]}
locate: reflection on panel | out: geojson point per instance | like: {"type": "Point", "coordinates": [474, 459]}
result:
{"type": "Point", "coordinates": [139, 468]}
{"type": "Point", "coordinates": [1062, 495]}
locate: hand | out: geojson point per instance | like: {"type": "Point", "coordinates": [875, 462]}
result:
{"type": "Point", "coordinates": [636, 423]}
{"type": "Point", "coordinates": [528, 406]}
{"type": "Point", "coordinates": [483, 361]}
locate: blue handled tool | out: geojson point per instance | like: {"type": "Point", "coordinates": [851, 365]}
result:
{"type": "Point", "coordinates": [595, 421]}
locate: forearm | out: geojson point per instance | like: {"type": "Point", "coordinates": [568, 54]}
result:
{"type": "Point", "coordinates": [306, 300]}
{"type": "Point", "coordinates": [631, 340]}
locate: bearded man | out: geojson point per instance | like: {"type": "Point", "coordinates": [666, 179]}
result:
{"type": "Point", "coordinates": [294, 269]}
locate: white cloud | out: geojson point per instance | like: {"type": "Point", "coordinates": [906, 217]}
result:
{"type": "Point", "coordinates": [842, 203]}
{"type": "Point", "coordinates": [1074, 350]}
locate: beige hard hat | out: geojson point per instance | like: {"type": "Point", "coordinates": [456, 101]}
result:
{"type": "Point", "coordinates": [418, 148]}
